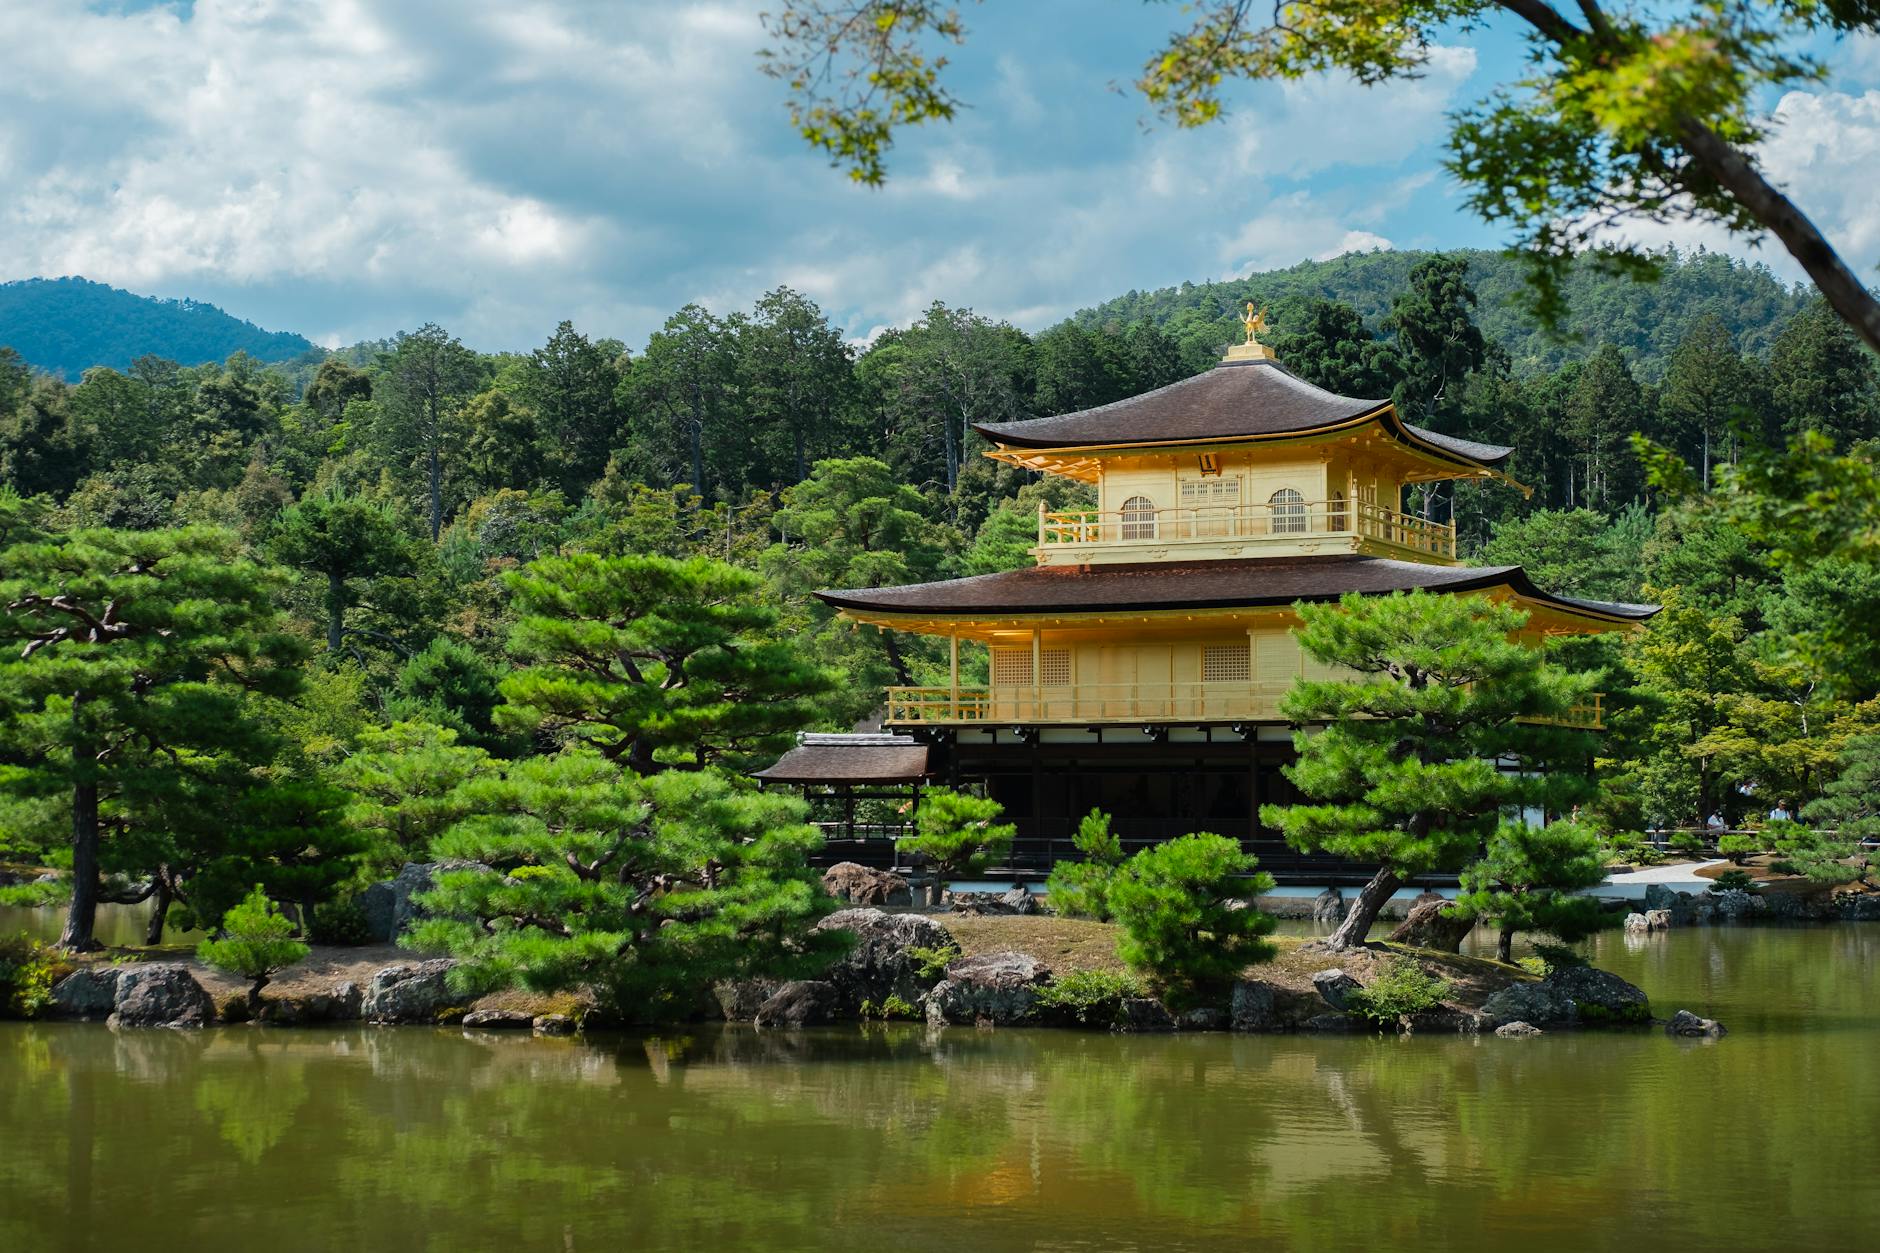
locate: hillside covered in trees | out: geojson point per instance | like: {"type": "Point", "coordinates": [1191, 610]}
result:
{"type": "Point", "coordinates": [66, 326]}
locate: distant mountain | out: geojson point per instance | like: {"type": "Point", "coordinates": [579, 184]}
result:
{"type": "Point", "coordinates": [68, 325]}
{"type": "Point", "coordinates": [1646, 320]}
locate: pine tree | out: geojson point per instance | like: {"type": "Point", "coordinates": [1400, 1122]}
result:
{"type": "Point", "coordinates": [958, 834]}
{"type": "Point", "coordinates": [1399, 760]}
{"type": "Point", "coordinates": [654, 663]}
{"type": "Point", "coordinates": [646, 890]}
{"type": "Point", "coordinates": [1081, 889]}
{"type": "Point", "coordinates": [342, 540]}
{"type": "Point", "coordinates": [406, 782]}
{"type": "Point", "coordinates": [137, 656]}
{"type": "Point", "coordinates": [255, 943]}
{"type": "Point", "coordinates": [1527, 878]}
{"type": "Point", "coordinates": [1179, 905]}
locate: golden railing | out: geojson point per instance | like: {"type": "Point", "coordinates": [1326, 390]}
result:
{"type": "Point", "coordinates": [1121, 702]}
{"type": "Point", "coordinates": [1275, 523]}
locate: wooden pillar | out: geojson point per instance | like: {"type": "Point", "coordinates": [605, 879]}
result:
{"type": "Point", "coordinates": [1037, 675]}
{"type": "Point", "coordinates": [953, 639]}
{"type": "Point", "coordinates": [1254, 829]}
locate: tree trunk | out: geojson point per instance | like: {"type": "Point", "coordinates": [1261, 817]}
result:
{"type": "Point", "coordinates": [1504, 945]}
{"type": "Point", "coordinates": [437, 480]}
{"type": "Point", "coordinates": [254, 997]}
{"type": "Point", "coordinates": [335, 610]}
{"type": "Point", "coordinates": [153, 933]}
{"type": "Point", "coordinates": [82, 919]}
{"type": "Point", "coordinates": [1364, 910]}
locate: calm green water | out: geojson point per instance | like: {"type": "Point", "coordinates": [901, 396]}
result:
{"type": "Point", "coordinates": [406, 1138]}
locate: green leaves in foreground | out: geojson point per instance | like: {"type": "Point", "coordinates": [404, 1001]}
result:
{"type": "Point", "coordinates": [1178, 905]}
{"type": "Point", "coordinates": [647, 890]}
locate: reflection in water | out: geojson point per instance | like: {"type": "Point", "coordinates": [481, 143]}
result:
{"type": "Point", "coordinates": [410, 1138]}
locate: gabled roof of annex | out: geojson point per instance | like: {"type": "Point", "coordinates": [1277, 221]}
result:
{"type": "Point", "coordinates": [1236, 400]}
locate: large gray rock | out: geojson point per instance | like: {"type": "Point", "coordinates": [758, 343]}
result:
{"type": "Point", "coordinates": [554, 1024]}
{"type": "Point", "coordinates": [1012, 901]}
{"type": "Point", "coordinates": [499, 1020]}
{"type": "Point", "coordinates": [1600, 996]}
{"type": "Point", "coordinates": [1637, 922]}
{"type": "Point", "coordinates": [1140, 1014]}
{"type": "Point", "coordinates": [1736, 904]}
{"type": "Point", "coordinates": [863, 885]}
{"type": "Point", "coordinates": [1335, 1023]}
{"type": "Point", "coordinates": [800, 1003]}
{"type": "Point", "coordinates": [88, 992]}
{"type": "Point", "coordinates": [1682, 905]}
{"type": "Point", "coordinates": [415, 878]}
{"type": "Point", "coordinates": [161, 996]}
{"type": "Point", "coordinates": [1000, 989]}
{"type": "Point", "coordinates": [1428, 926]}
{"type": "Point", "coordinates": [1202, 1018]}
{"type": "Point", "coordinates": [1862, 908]}
{"type": "Point", "coordinates": [1328, 906]}
{"type": "Point", "coordinates": [1253, 1007]}
{"type": "Point", "coordinates": [880, 966]}
{"type": "Point", "coordinates": [740, 1001]}
{"type": "Point", "coordinates": [1530, 1003]}
{"type": "Point", "coordinates": [1335, 988]}
{"type": "Point", "coordinates": [410, 992]}
{"type": "Point", "coordinates": [1443, 1020]}
{"type": "Point", "coordinates": [341, 1003]}
{"type": "Point", "coordinates": [379, 904]}
{"type": "Point", "coordinates": [1656, 920]}
{"type": "Point", "coordinates": [1685, 1023]}
{"type": "Point", "coordinates": [1516, 1030]}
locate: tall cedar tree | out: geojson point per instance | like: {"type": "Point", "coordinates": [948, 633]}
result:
{"type": "Point", "coordinates": [1401, 769]}
{"type": "Point", "coordinates": [427, 375]}
{"type": "Point", "coordinates": [341, 540]}
{"type": "Point", "coordinates": [655, 663]}
{"type": "Point", "coordinates": [135, 656]}
{"type": "Point", "coordinates": [643, 889]}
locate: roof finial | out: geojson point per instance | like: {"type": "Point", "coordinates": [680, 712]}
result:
{"type": "Point", "coordinates": [1253, 349]}
{"type": "Point", "coordinates": [1254, 322]}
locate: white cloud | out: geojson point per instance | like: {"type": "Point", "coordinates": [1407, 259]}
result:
{"type": "Point", "coordinates": [1291, 229]}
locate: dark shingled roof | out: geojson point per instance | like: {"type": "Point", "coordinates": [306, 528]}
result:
{"type": "Point", "coordinates": [850, 759]}
{"type": "Point", "coordinates": [1198, 585]}
{"type": "Point", "coordinates": [1234, 400]}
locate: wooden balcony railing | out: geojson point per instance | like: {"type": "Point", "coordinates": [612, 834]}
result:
{"type": "Point", "coordinates": [1275, 523]}
{"type": "Point", "coordinates": [1120, 702]}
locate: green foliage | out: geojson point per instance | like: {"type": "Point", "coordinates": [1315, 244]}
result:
{"type": "Point", "coordinates": [1399, 987]}
{"type": "Point", "coordinates": [28, 969]}
{"type": "Point", "coordinates": [1527, 880]}
{"type": "Point", "coordinates": [931, 963]}
{"type": "Point", "coordinates": [959, 834]}
{"type": "Point", "coordinates": [1178, 905]}
{"type": "Point", "coordinates": [340, 923]}
{"type": "Point", "coordinates": [69, 325]}
{"type": "Point", "coordinates": [405, 782]}
{"type": "Point", "coordinates": [1739, 847]}
{"type": "Point", "coordinates": [895, 1006]}
{"type": "Point", "coordinates": [654, 662]}
{"type": "Point", "coordinates": [1733, 881]}
{"type": "Point", "coordinates": [1403, 772]}
{"type": "Point", "coordinates": [644, 889]}
{"type": "Point", "coordinates": [1089, 997]}
{"type": "Point", "coordinates": [256, 943]}
{"type": "Point", "coordinates": [1819, 855]}
{"type": "Point", "coordinates": [341, 540]}
{"type": "Point", "coordinates": [1080, 889]}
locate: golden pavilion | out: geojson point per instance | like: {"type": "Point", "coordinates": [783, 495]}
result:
{"type": "Point", "coordinates": [1139, 664]}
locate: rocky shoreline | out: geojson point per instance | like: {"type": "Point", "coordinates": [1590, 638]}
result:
{"type": "Point", "coordinates": [891, 972]}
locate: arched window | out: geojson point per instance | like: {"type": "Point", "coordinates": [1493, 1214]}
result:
{"type": "Point", "coordinates": [1289, 511]}
{"type": "Point", "coordinates": [1139, 518]}
{"type": "Point", "coordinates": [1339, 520]}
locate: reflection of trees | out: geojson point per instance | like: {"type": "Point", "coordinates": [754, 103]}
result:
{"type": "Point", "coordinates": [410, 1138]}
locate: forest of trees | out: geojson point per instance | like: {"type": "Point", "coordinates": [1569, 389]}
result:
{"type": "Point", "coordinates": [386, 524]}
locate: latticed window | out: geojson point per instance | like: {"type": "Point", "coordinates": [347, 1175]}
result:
{"type": "Point", "coordinates": [1011, 667]}
{"type": "Point", "coordinates": [1139, 518]}
{"type": "Point", "coordinates": [1226, 663]}
{"type": "Point", "coordinates": [1212, 502]}
{"type": "Point", "coordinates": [1289, 511]}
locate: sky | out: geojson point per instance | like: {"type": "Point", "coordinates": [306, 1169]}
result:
{"type": "Point", "coordinates": [351, 168]}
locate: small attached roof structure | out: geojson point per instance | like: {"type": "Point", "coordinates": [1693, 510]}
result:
{"type": "Point", "coordinates": [1236, 401]}
{"type": "Point", "coordinates": [850, 759]}
{"type": "Point", "coordinates": [1191, 585]}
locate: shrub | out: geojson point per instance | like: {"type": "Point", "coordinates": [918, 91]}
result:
{"type": "Point", "coordinates": [1081, 889]}
{"type": "Point", "coordinates": [958, 833]}
{"type": "Point", "coordinates": [1177, 906]}
{"type": "Point", "coordinates": [1558, 956]}
{"type": "Point", "coordinates": [1737, 846]}
{"type": "Point", "coordinates": [256, 943]}
{"type": "Point", "coordinates": [28, 969]}
{"type": "Point", "coordinates": [1685, 841]}
{"type": "Point", "coordinates": [1400, 987]}
{"type": "Point", "coordinates": [340, 923]}
{"type": "Point", "coordinates": [1089, 996]}
{"type": "Point", "coordinates": [1733, 881]}
{"type": "Point", "coordinates": [895, 1006]}
{"type": "Point", "coordinates": [37, 895]}
{"type": "Point", "coordinates": [931, 963]}
{"type": "Point", "coordinates": [1534, 966]}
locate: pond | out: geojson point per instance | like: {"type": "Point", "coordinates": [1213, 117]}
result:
{"type": "Point", "coordinates": [405, 1138]}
